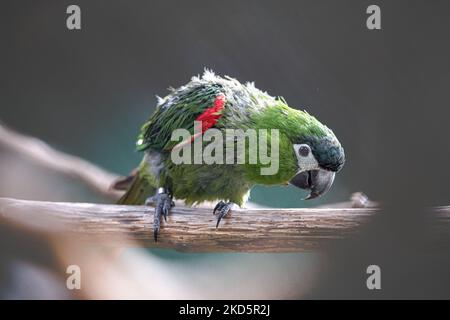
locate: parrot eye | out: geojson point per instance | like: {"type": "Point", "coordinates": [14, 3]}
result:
{"type": "Point", "coordinates": [303, 151]}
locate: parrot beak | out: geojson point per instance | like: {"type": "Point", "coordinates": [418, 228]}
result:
{"type": "Point", "coordinates": [318, 181]}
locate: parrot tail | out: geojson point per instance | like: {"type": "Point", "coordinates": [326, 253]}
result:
{"type": "Point", "coordinates": [139, 190]}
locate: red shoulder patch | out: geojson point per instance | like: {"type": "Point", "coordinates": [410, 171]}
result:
{"type": "Point", "coordinates": [210, 116]}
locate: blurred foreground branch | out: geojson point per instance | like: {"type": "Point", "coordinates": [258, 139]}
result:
{"type": "Point", "coordinates": [35, 150]}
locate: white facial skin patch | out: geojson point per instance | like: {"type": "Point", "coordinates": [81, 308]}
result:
{"type": "Point", "coordinates": [305, 158]}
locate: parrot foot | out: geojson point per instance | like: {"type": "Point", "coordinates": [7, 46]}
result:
{"type": "Point", "coordinates": [222, 208]}
{"type": "Point", "coordinates": [162, 201]}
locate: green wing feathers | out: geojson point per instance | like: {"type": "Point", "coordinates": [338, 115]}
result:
{"type": "Point", "coordinates": [175, 112]}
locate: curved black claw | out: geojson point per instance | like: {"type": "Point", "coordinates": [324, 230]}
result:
{"type": "Point", "coordinates": [163, 202]}
{"type": "Point", "coordinates": [222, 209]}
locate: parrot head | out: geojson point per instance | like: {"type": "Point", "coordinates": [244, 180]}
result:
{"type": "Point", "coordinates": [310, 154]}
{"type": "Point", "coordinates": [318, 154]}
{"type": "Point", "coordinates": [318, 160]}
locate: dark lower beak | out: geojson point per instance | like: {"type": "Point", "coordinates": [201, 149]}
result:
{"type": "Point", "coordinates": [318, 181]}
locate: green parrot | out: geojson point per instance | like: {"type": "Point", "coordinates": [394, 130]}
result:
{"type": "Point", "coordinates": [309, 154]}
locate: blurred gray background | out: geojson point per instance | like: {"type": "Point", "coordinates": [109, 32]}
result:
{"type": "Point", "coordinates": [384, 93]}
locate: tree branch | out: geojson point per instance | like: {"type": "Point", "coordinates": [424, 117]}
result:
{"type": "Point", "coordinates": [187, 229]}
